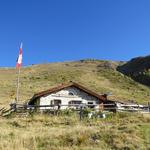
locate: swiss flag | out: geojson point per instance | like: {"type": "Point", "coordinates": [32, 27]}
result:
{"type": "Point", "coordinates": [19, 60]}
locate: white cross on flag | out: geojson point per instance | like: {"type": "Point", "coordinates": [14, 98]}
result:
{"type": "Point", "coordinates": [19, 60]}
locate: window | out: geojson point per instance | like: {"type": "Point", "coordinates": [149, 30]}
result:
{"type": "Point", "coordinates": [70, 93]}
{"type": "Point", "coordinates": [75, 102]}
{"type": "Point", "coordinates": [90, 105]}
{"type": "Point", "coordinates": [56, 102]}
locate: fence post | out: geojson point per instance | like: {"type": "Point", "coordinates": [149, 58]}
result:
{"type": "Point", "coordinates": [81, 112]}
{"type": "Point", "coordinates": [13, 106]}
{"type": "Point", "coordinates": [101, 107]}
{"type": "Point", "coordinates": [138, 108]}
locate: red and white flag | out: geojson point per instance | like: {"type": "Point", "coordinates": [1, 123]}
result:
{"type": "Point", "coordinates": [19, 60]}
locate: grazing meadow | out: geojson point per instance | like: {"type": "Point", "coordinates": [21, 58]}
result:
{"type": "Point", "coordinates": [121, 131]}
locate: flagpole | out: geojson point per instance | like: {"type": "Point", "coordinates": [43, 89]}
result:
{"type": "Point", "coordinates": [18, 80]}
{"type": "Point", "coordinates": [18, 66]}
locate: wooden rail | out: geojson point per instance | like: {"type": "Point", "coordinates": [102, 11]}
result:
{"type": "Point", "coordinates": [24, 108]}
{"type": "Point", "coordinates": [111, 107]}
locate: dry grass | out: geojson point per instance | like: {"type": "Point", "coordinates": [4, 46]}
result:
{"type": "Point", "coordinates": [99, 76]}
{"type": "Point", "coordinates": [46, 132]}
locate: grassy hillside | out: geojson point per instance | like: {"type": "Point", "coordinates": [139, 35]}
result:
{"type": "Point", "coordinates": [97, 75]}
{"type": "Point", "coordinates": [128, 131]}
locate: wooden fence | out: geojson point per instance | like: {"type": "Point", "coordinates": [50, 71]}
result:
{"type": "Point", "coordinates": [80, 108]}
{"type": "Point", "coordinates": [77, 107]}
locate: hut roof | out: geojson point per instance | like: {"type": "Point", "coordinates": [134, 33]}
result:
{"type": "Point", "coordinates": [70, 84]}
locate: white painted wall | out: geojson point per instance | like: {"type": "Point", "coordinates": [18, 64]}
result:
{"type": "Point", "coordinates": [64, 96]}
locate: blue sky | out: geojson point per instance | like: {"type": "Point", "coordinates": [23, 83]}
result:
{"type": "Point", "coordinates": [63, 30]}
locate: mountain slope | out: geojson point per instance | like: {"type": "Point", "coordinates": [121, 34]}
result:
{"type": "Point", "coordinates": [97, 75]}
{"type": "Point", "coordinates": [138, 69]}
